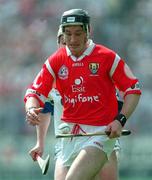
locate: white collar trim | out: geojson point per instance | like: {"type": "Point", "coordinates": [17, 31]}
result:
{"type": "Point", "coordinates": [87, 52]}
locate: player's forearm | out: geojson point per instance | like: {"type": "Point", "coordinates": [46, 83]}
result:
{"type": "Point", "coordinates": [42, 128]}
{"type": "Point", "coordinates": [130, 103]}
{"type": "Point", "coordinates": [31, 102]}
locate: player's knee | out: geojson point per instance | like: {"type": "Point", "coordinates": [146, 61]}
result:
{"type": "Point", "coordinates": [74, 176]}
{"type": "Point", "coordinates": [69, 177]}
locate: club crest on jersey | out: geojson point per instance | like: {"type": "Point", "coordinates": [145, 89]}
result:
{"type": "Point", "coordinates": [63, 72]}
{"type": "Point", "coordinates": [94, 67]}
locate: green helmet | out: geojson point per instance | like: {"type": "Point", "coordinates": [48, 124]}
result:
{"type": "Point", "coordinates": [76, 17]}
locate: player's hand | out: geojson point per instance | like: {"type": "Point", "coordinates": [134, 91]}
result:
{"type": "Point", "coordinates": [37, 150]}
{"type": "Point", "coordinates": [32, 116]}
{"type": "Point", "coordinates": [114, 128]}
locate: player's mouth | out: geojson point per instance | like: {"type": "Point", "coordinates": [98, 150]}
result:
{"type": "Point", "coordinates": [74, 46]}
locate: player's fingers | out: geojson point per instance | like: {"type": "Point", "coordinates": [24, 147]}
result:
{"type": "Point", "coordinates": [114, 134]}
{"type": "Point", "coordinates": [37, 154]}
{"type": "Point", "coordinates": [33, 122]}
{"type": "Point", "coordinates": [36, 151]}
{"type": "Point", "coordinates": [38, 110]}
{"type": "Point", "coordinates": [32, 116]}
{"type": "Point", "coordinates": [32, 119]}
{"type": "Point", "coordinates": [34, 112]}
{"type": "Point", "coordinates": [108, 130]}
{"type": "Point", "coordinates": [33, 155]}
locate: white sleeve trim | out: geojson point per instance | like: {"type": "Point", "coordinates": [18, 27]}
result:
{"type": "Point", "coordinates": [50, 68]}
{"type": "Point", "coordinates": [135, 87]}
{"type": "Point", "coordinates": [115, 64]}
{"type": "Point", "coordinates": [34, 92]}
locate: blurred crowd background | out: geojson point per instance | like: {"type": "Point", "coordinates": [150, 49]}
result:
{"type": "Point", "coordinates": [28, 31]}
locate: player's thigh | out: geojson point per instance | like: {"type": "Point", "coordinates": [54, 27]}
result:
{"type": "Point", "coordinates": [87, 164]}
{"type": "Point", "coordinates": [110, 169]}
{"type": "Point", "coordinates": [60, 171]}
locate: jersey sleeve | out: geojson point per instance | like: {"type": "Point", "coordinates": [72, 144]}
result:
{"type": "Point", "coordinates": [123, 77]}
{"type": "Point", "coordinates": [42, 84]}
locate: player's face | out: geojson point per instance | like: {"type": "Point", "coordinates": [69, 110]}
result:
{"type": "Point", "coordinates": [75, 38]}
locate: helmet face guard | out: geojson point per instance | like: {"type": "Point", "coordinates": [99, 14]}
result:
{"type": "Point", "coordinates": [76, 17]}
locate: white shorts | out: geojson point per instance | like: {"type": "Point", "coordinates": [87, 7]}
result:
{"type": "Point", "coordinates": [117, 149]}
{"type": "Point", "coordinates": [57, 149]}
{"type": "Point", "coordinates": [70, 147]}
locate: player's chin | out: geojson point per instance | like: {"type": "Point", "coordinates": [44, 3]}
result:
{"type": "Point", "coordinates": [74, 49]}
{"type": "Point", "coordinates": [76, 53]}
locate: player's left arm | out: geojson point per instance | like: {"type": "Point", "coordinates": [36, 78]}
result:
{"type": "Point", "coordinates": [130, 104]}
{"type": "Point", "coordinates": [129, 85]}
{"type": "Point", "coordinates": [42, 129]}
{"type": "Point", "coordinates": [41, 132]}
{"type": "Point", "coordinates": [44, 116]}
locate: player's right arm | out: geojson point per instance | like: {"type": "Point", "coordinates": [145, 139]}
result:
{"type": "Point", "coordinates": [37, 93]}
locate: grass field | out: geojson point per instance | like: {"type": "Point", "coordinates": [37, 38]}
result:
{"type": "Point", "coordinates": [135, 178]}
{"type": "Point", "coordinates": [19, 166]}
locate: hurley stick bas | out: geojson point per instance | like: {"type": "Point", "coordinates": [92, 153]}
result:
{"type": "Point", "coordinates": [43, 163]}
{"type": "Point", "coordinates": [123, 133]}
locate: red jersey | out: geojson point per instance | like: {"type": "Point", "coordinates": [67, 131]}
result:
{"type": "Point", "coordinates": [86, 84]}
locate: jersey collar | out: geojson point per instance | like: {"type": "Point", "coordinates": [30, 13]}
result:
{"type": "Point", "coordinates": [87, 52]}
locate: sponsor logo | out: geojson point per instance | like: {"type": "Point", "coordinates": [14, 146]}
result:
{"type": "Point", "coordinates": [78, 85]}
{"type": "Point", "coordinates": [79, 88]}
{"type": "Point", "coordinates": [63, 72]}
{"type": "Point", "coordinates": [80, 98]}
{"type": "Point", "coordinates": [94, 67]}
